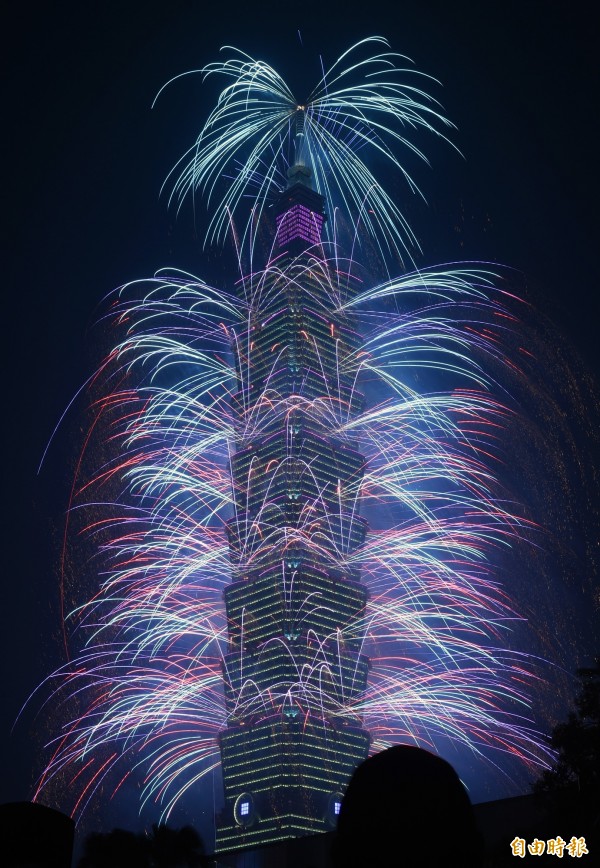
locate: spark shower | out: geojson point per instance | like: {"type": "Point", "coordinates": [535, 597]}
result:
{"type": "Point", "coordinates": [297, 544]}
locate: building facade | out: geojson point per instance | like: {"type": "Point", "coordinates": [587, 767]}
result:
{"type": "Point", "coordinates": [295, 604]}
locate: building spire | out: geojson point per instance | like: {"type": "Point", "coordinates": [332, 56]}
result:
{"type": "Point", "coordinates": [300, 214]}
{"type": "Point", "coordinates": [299, 135]}
{"type": "Point", "coordinates": [299, 173]}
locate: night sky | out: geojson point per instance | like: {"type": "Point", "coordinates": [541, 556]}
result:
{"type": "Point", "coordinates": [84, 161]}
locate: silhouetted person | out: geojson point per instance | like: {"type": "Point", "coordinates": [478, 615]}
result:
{"type": "Point", "coordinates": [406, 807]}
{"type": "Point", "coordinates": [34, 836]}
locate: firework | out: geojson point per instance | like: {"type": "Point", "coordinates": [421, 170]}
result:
{"type": "Point", "coordinates": [199, 385]}
{"type": "Point", "coordinates": [365, 103]}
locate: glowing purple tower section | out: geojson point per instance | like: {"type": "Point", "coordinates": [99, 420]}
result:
{"type": "Point", "coordinates": [300, 214]}
{"type": "Point", "coordinates": [299, 222]}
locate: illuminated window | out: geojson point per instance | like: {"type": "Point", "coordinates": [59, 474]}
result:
{"type": "Point", "coordinates": [245, 809]}
{"type": "Point", "coordinates": [336, 807]}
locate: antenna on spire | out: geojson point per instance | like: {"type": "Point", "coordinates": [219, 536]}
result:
{"type": "Point", "coordinates": [299, 134]}
{"type": "Point", "coordinates": [299, 173]}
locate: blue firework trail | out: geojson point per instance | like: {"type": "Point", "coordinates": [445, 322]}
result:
{"type": "Point", "coordinates": [147, 685]}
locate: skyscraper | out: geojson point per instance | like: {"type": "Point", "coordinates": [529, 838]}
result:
{"type": "Point", "coordinates": [294, 604]}
{"type": "Point", "coordinates": [242, 453]}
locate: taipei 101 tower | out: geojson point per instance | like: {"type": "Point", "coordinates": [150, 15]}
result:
{"type": "Point", "coordinates": [245, 616]}
{"type": "Point", "coordinates": [294, 606]}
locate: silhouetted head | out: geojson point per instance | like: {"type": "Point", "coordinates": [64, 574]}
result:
{"type": "Point", "coordinates": [406, 807]}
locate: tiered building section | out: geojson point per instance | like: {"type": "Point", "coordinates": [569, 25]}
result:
{"type": "Point", "coordinates": [295, 606]}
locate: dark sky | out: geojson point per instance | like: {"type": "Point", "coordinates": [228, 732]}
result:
{"type": "Point", "coordinates": [85, 157]}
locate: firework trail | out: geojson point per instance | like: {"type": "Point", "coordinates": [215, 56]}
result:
{"type": "Point", "coordinates": [258, 130]}
{"type": "Point", "coordinates": [197, 380]}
